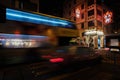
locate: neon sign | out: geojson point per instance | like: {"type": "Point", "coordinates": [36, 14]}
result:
{"type": "Point", "coordinates": [108, 17]}
{"type": "Point", "coordinates": [77, 13]}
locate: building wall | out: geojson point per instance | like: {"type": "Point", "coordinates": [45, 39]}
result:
{"type": "Point", "coordinates": [86, 19]}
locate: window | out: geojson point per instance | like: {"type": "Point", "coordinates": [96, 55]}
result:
{"type": "Point", "coordinates": [91, 12]}
{"type": "Point", "coordinates": [82, 6]}
{"type": "Point", "coordinates": [82, 16]}
{"type": "Point", "coordinates": [99, 23]}
{"type": "Point", "coordinates": [90, 2]}
{"type": "Point", "coordinates": [82, 25]}
{"type": "Point", "coordinates": [74, 18]}
{"type": "Point", "coordinates": [90, 23]}
{"type": "Point", "coordinates": [99, 12]}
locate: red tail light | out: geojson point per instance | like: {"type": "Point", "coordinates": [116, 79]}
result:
{"type": "Point", "coordinates": [56, 60]}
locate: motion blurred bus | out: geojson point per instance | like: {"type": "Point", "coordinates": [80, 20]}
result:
{"type": "Point", "coordinates": [23, 30]}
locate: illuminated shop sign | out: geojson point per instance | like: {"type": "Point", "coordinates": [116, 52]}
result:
{"type": "Point", "coordinates": [114, 42]}
{"type": "Point", "coordinates": [77, 12]}
{"type": "Point", "coordinates": [113, 49]}
{"type": "Point", "coordinates": [108, 17]}
{"type": "Point", "coordinates": [17, 15]}
{"type": "Point", "coordinates": [94, 32]}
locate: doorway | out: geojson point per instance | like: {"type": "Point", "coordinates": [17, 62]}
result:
{"type": "Point", "coordinates": [64, 41]}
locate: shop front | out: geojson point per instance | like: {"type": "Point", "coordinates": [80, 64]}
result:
{"type": "Point", "coordinates": [65, 35]}
{"type": "Point", "coordinates": [94, 38]}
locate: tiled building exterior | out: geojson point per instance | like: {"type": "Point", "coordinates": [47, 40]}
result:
{"type": "Point", "coordinates": [88, 15]}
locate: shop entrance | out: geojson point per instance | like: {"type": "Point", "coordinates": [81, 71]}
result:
{"type": "Point", "coordinates": [64, 41]}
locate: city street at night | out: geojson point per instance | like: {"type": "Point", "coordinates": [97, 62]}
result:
{"type": "Point", "coordinates": [60, 40]}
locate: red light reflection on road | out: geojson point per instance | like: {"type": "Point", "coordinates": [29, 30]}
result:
{"type": "Point", "coordinates": [56, 60]}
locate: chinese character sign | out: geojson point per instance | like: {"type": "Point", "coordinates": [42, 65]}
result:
{"type": "Point", "coordinates": [77, 11]}
{"type": "Point", "coordinates": [108, 17]}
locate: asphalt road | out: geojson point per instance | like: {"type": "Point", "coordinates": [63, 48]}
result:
{"type": "Point", "coordinates": [47, 71]}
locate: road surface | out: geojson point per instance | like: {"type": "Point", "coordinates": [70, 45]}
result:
{"type": "Point", "coordinates": [46, 71]}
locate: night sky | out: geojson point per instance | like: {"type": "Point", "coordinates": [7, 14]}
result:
{"type": "Point", "coordinates": [55, 7]}
{"type": "Point", "coordinates": [112, 3]}
{"type": "Point", "coordinates": [52, 7]}
{"type": "Point", "coordinates": [114, 6]}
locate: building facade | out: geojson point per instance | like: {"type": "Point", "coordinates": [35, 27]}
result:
{"type": "Point", "coordinates": [116, 16]}
{"type": "Point", "coordinates": [88, 15]}
{"type": "Point", "coordinates": [29, 5]}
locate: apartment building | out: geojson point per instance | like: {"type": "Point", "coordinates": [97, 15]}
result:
{"type": "Point", "coordinates": [90, 20]}
{"type": "Point", "coordinates": [29, 5]}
